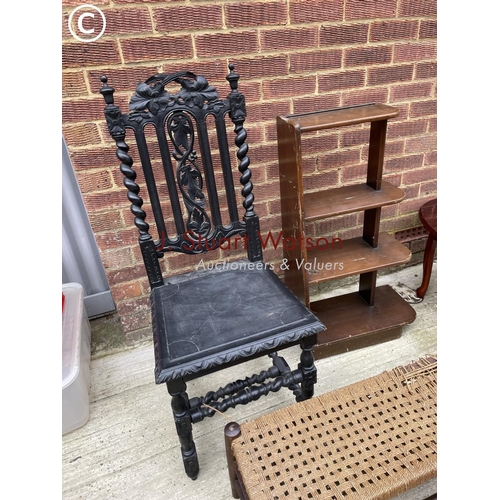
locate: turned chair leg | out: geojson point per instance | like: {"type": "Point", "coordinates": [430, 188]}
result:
{"type": "Point", "coordinates": [430, 250]}
{"type": "Point", "coordinates": [182, 418]}
{"type": "Point", "coordinates": [307, 367]}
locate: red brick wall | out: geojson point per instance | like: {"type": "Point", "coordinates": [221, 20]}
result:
{"type": "Point", "coordinates": [293, 56]}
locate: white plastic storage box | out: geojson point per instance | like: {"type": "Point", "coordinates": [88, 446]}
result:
{"type": "Point", "coordinates": [75, 358]}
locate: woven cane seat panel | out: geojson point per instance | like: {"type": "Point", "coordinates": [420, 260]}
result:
{"type": "Point", "coordinates": [372, 439]}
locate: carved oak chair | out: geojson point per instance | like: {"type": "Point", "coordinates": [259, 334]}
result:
{"type": "Point", "coordinates": [207, 319]}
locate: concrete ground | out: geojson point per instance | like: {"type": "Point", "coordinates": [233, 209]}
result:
{"type": "Point", "coordinates": [129, 449]}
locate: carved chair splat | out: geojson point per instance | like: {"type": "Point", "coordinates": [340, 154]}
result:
{"type": "Point", "coordinates": [207, 319]}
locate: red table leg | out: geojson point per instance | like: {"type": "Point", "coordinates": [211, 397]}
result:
{"type": "Point", "coordinates": [428, 216]}
{"type": "Point", "coordinates": [430, 250]}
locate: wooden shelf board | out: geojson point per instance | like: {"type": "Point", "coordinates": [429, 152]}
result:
{"type": "Point", "coordinates": [341, 117]}
{"type": "Point", "coordinates": [347, 199]}
{"type": "Point", "coordinates": [355, 257]}
{"type": "Point", "coordinates": [352, 324]}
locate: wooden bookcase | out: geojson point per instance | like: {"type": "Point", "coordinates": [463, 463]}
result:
{"type": "Point", "coordinates": [372, 314]}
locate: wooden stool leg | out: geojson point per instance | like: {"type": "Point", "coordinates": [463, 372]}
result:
{"type": "Point", "coordinates": [180, 408]}
{"type": "Point", "coordinates": [430, 250]}
{"type": "Point", "coordinates": [231, 432]}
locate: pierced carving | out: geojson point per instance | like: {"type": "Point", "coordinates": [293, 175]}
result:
{"type": "Point", "coordinates": [152, 97]}
{"type": "Point", "coordinates": [181, 131]}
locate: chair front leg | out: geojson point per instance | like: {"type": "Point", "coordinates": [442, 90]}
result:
{"type": "Point", "coordinates": [306, 366]}
{"type": "Point", "coordinates": [182, 418]}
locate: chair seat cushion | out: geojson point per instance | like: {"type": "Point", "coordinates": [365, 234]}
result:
{"type": "Point", "coordinates": [209, 318]}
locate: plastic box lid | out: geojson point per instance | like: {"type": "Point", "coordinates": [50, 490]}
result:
{"type": "Point", "coordinates": [73, 311]}
{"type": "Point", "coordinates": [75, 358]}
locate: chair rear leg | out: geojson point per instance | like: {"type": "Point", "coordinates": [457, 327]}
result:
{"type": "Point", "coordinates": [307, 367]}
{"type": "Point", "coordinates": [182, 418]}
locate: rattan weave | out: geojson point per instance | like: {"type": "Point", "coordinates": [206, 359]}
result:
{"type": "Point", "coordinates": [372, 439]}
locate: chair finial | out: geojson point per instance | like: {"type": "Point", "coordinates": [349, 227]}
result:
{"type": "Point", "coordinates": [107, 91]}
{"type": "Point", "coordinates": [233, 78]}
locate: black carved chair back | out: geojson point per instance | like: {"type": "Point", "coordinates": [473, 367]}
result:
{"type": "Point", "coordinates": [190, 131]}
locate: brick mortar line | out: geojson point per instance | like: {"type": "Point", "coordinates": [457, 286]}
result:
{"type": "Point", "coordinates": [277, 52]}
{"type": "Point", "coordinates": [267, 53]}
{"type": "Point", "coordinates": [113, 189]}
{"type": "Point", "coordinates": [188, 3]}
{"type": "Point", "coordinates": [390, 86]}
{"type": "Point", "coordinates": [223, 14]}
{"type": "Point", "coordinates": [94, 170]}
{"type": "Point", "coordinates": [428, 132]}
{"type": "Point", "coordinates": [360, 148]}
{"type": "Point", "coordinates": [259, 28]}
{"type": "Point", "coordinates": [224, 28]}
{"type": "Point", "coordinates": [194, 48]}
{"type": "Point", "coordinates": [152, 19]}
{"type": "Point", "coordinates": [259, 79]}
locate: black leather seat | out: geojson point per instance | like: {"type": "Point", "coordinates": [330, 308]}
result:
{"type": "Point", "coordinates": [224, 311]}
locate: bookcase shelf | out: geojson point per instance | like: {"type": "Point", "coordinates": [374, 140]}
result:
{"type": "Point", "coordinates": [348, 199]}
{"type": "Point", "coordinates": [357, 257]}
{"type": "Point", "coordinates": [372, 314]}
